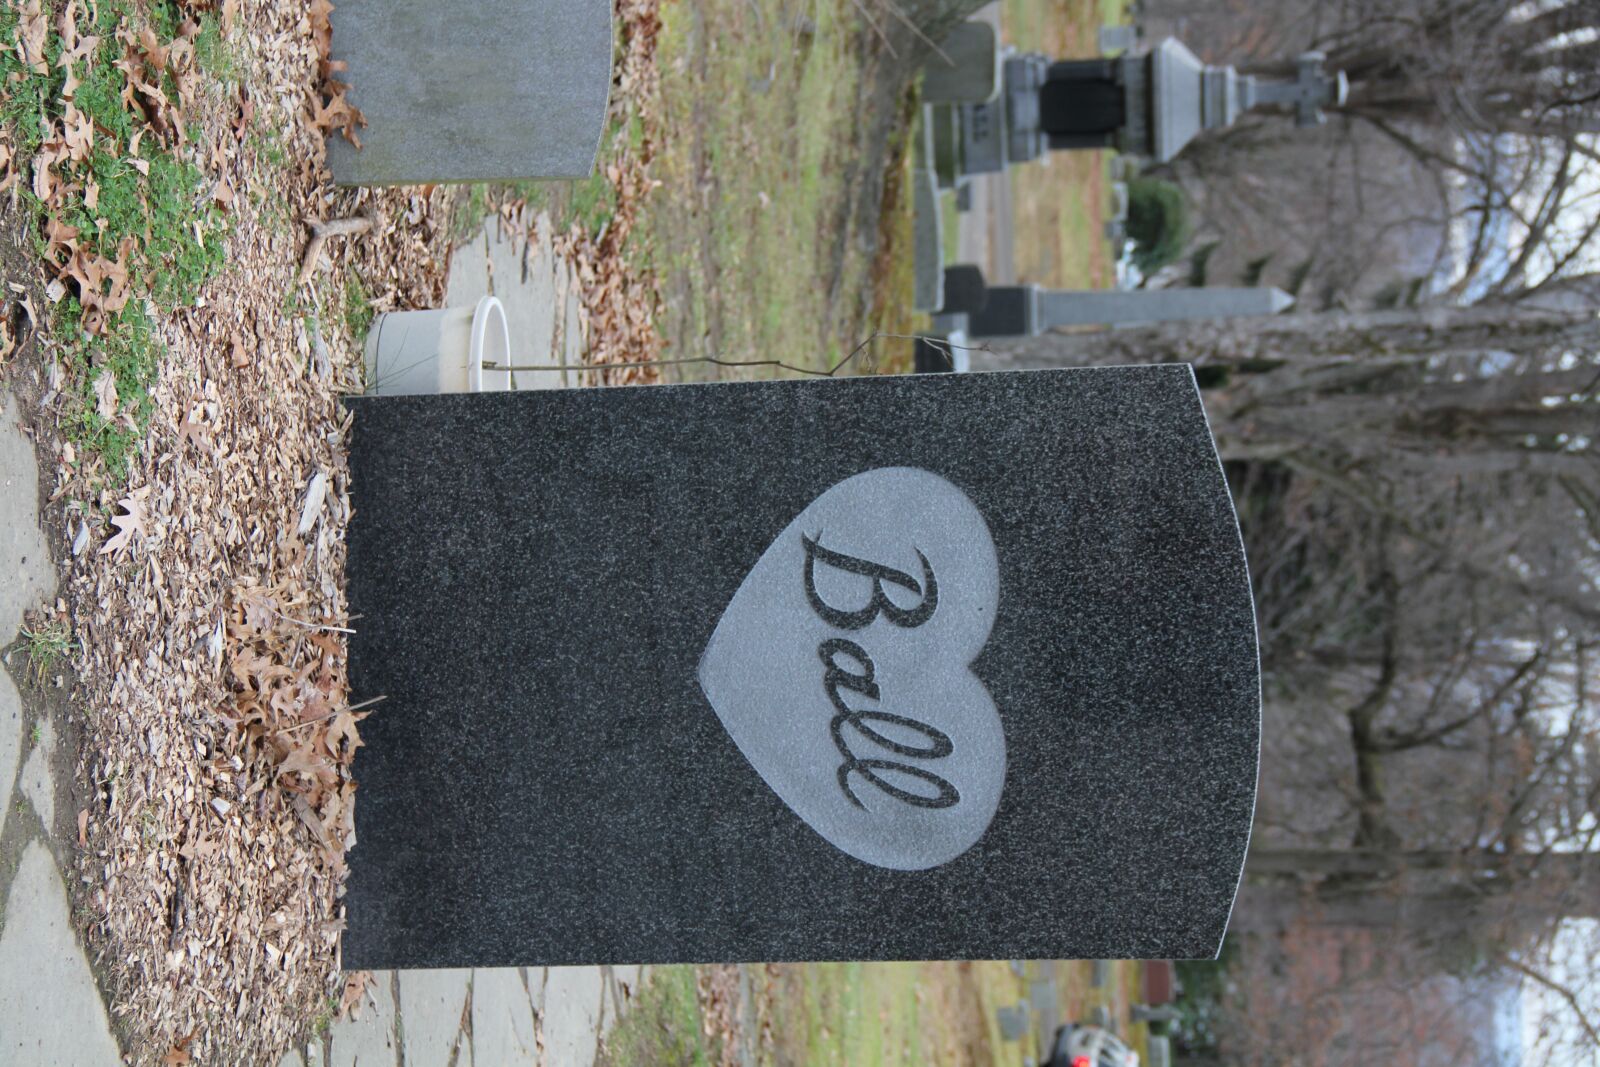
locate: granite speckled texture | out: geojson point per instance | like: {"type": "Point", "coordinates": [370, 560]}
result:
{"type": "Point", "coordinates": [536, 577]}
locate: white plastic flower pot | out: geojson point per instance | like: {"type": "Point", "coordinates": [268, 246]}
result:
{"type": "Point", "coordinates": [440, 351]}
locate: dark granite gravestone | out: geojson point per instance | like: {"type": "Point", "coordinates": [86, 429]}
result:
{"type": "Point", "coordinates": [932, 667]}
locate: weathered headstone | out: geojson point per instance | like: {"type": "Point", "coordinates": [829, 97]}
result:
{"type": "Point", "coordinates": [492, 90]}
{"type": "Point", "coordinates": [1014, 1021]}
{"type": "Point", "coordinates": [1153, 103]}
{"type": "Point", "coordinates": [923, 667]}
{"type": "Point", "coordinates": [965, 68]}
{"type": "Point", "coordinates": [998, 311]}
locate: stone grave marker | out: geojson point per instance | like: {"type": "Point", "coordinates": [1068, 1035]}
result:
{"type": "Point", "coordinates": [1146, 102]}
{"type": "Point", "coordinates": [922, 667]}
{"type": "Point", "coordinates": [985, 311]}
{"type": "Point", "coordinates": [965, 68]}
{"type": "Point", "coordinates": [493, 90]}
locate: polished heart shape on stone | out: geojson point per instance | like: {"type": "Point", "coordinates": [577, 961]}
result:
{"type": "Point", "coordinates": [842, 669]}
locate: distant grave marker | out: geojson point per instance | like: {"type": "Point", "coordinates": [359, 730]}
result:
{"type": "Point", "coordinates": [492, 90]}
{"type": "Point", "coordinates": [1146, 102]}
{"type": "Point", "coordinates": [985, 311]}
{"type": "Point", "coordinates": [932, 667]}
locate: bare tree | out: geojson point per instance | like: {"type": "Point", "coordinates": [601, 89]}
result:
{"type": "Point", "coordinates": [1420, 496]}
{"type": "Point", "coordinates": [1460, 165]}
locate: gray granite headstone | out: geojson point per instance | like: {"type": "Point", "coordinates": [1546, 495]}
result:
{"type": "Point", "coordinates": [965, 68]}
{"type": "Point", "coordinates": [1029, 310]}
{"type": "Point", "coordinates": [923, 667]}
{"type": "Point", "coordinates": [491, 90]}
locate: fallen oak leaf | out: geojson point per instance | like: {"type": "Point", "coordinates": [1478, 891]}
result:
{"type": "Point", "coordinates": [127, 524]}
{"type": "Point", "coordinates": [154, 53]}
{"type": "Point", "coordinates": [355, 986]}
{"type": "Point", "coordinates": [33, 30]}
{"type": "Point", "coordinates": [77, 134]}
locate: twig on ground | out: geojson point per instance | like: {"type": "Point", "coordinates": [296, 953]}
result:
{"type": "Point", "coordinates": [320, 232]}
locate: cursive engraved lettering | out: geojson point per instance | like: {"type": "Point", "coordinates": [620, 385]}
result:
{"type": "Point", "coordinates": [838, 679]}
{"type": "Point", "coordinates": [927, 589]}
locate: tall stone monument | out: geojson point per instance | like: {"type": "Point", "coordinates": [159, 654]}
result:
{"type": "Point", "coordinates": [1149, 103]}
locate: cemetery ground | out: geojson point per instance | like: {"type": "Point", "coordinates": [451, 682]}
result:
{"type": "Point", "coordinates": [850, 1014]}
{"type": "Point", "coordinates": [178, 331]}
{"type": "Point", "coordinates": [1053, 213]}
{"type": "Point", "coordinates": [1059, 208]}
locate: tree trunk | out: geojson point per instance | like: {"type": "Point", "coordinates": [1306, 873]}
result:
{"type": "Point", "coordinates": [1569, 868]}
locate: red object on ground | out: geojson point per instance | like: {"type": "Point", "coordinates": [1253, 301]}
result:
{"type": "Point", "coordinates": [1159, 982]}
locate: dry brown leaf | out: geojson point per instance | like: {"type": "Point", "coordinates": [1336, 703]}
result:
{"type": "Point", "coordinates": [44, 182]}
{"type": "Point", "coordinates": [355, 987]}
{"type": "Point", "coordinates": [131, 521]}
{"type": "Point", "coordinates": [247, 111]}
{"type": "Point", "coordinates": [33, 30]}
{"type": "Point", "coordinates": [61, 240]}
{"type": "Point", "coordinates": [105, 395]}
{"type": "Point", "coordinates": [155, 54]}
{"type": "Point", "coordinates": [77, 134]}
{"type": "Point", "coordinates": [179, 1056]}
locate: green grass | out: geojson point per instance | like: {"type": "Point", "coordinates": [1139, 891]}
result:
{"type": "Point", "coordinates": [662, 1027]}
{"type": "Point", "coordinates": [160, 211]}
{"type": "Point", "coordinates": [358, 313]}
{"type": "Point", "coordinates": [131, 354]}
{"type": "Point", "coordinates": [48, 646]}
{"type": "Point", "coordinates": [950, 227]}
{"type": "Point", "coordinates": [863, 1014]}
{"type": "Point", "coordinates": [750, 230]}
{"type": "Point", "coordinates": [212, 50]}
{"type": "Point", "coordinates": [831, 1015]}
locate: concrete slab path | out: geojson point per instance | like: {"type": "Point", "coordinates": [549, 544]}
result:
{"type": "Point", "coordinates": [50, 1008]}
{"type": "Point", "coordinates": [51, 1011]}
